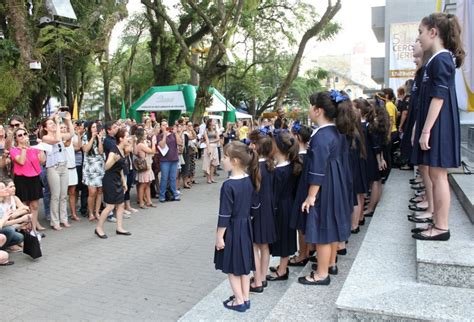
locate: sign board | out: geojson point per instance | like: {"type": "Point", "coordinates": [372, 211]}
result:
{"type": "Point", "coordinates": [61, 8]}
{"type": "Point", "coordinates": [401, 65]}
{"type": "Point", "coordinates": [164, 101]}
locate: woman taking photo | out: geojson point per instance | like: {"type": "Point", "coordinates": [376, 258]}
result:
{"type": "Point", "coordinates": [56, 167]}
{"type": "Point", "coordinates": [27, 169]}
{"type": "Point", "coordinates": [115, 185]}
{"type": "Point", "coordinates": [211, 154]}
{"type": "Point", "coordinates": [145, 150]}
{"type": "Point", "coordinates": [93, 169]}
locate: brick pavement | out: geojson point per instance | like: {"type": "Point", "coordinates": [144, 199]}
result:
{"type": "Point", "coordinates": [158, 273]}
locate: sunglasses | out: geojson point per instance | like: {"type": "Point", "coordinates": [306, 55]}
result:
{"type": "Point", "coordinates": [20, 135]}
{"type": "Point", "coordinates": [60, 148]}
{"type": "Point", "coordinates": [15, 125]}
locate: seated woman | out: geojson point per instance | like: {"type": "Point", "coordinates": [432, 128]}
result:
{"type": "Point", "coordinates": [20, 212]}
{"type": "Point", "coordinates": [4, 255]}
{"type": "Point", "coordinates": [12, 218]}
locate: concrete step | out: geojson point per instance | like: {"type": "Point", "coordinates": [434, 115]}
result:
{"type": "Point", "coordinates": [463, 188]}
{"type": "Point", "coordinates": [467, 153]}
{"type": "Point", "coordinates": [306, 303]}
{"type": "Point", "coordinates": [382, 283]}
{"type": "Point", "coordinates": [450, 263]}
{"type": "Point", "coordinates": [210, 308]}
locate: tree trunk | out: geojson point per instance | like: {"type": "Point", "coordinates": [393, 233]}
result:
{"type": "Point", "coordinates": [16, 12]}
{"type": "Point", "coordinates": [106, 79]}
{"type": "Point", "coordinates": [203, 99]}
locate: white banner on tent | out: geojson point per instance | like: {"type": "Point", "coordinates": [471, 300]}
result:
{"type": "Point", "coordinates": [401, 65]}
{"type": "Point", "coordinates": [218, 105]}
{"type": "Point", "coordinates": [164, 101]}
{"type": "Point", "coordinates": [465, 75]}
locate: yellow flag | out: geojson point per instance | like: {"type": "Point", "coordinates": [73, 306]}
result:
{"type": "Point", "coordinates": [75, 109]}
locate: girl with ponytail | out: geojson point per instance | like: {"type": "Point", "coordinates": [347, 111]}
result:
{"type": "Point", "coordinates": [287, 169]}
{"type": "Point", "coordinates": [302, 134]}
{"type": "Point", "coordinates": [329, 196]}
{"type": "Point", "coordinates": [264, 228]}
{"type": "Point", "coordinates": [437, 140]}
{"type": "Point", "coordinates": [238, 199]}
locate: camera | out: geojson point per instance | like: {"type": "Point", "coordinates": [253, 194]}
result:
{"type": "Point", "coordinates": [33, 139]}
{"type": "Point", "coordinates": [63, 111]}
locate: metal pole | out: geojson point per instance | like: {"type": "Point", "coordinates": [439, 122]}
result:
{"type": "Point", "coordinates": [61, 79]}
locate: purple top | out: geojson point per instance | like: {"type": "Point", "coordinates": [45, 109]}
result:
{"type": "Point", "coordinates": [172, 154]}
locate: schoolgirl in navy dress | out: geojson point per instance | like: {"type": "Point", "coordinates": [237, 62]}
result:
{"type": "Point", "coordinates": [329, 202]}
{"type": "Point", "coordinates": [302, 134]}
{"type": "Point", "coordinates": [264, 230]}
{"type": "Point", "coordinates": [437, 130]}
{"type": "Point", "coordinates": [359, 163]}
{"type": "Point", "coordinates": [422, 205]}
{"type": "Point", "coordinates": [377, 127]}
{"type": "Point", "coordinates": [234, 237]}
{"type": "Point", "coordinates": [288, 168]}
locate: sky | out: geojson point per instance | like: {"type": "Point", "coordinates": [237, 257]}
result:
{"type": "Point", "coordinates": [355, 37]}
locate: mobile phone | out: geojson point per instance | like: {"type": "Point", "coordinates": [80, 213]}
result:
{"type": "Point", "coordinates": [33, 139]}
{"type": "Point", "coordinates": [1, 151]}
{"type": "Point", "coordinates": [62, 114]}
{"type": "Point", "coordinates": [64, 109]}
{"type": "Point", "coordinates": [99, 128]}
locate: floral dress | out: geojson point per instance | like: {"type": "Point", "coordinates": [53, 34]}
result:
{"type": "Point", "coordinates": [93, 167]}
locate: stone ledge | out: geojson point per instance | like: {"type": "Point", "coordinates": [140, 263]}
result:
{"type": "Point", "coordinates": [449, 263]}
{"type": "Point", "coordinates": [463, 187]}
{"type": "Point", "coordinates": [382, 282]}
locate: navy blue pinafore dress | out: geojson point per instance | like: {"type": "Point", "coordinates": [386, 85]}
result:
{"type": "Point", "coordinates": [298, 218]}
{"type": "Point", "coordinates": [264, 230]}
{"type": "Point", "coordinates": [445, 137]}
{"type": "Point", "coordinates": [237, 198]}
{"type": "Point", "coordinates": [284, 187]}
{"type": "Point", "coordinates": [330, 218]}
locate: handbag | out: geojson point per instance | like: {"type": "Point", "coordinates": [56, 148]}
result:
{"type": "Point", "coordinates": [31, 242]}
{"type": "Point", "coordinates": [140, 164]}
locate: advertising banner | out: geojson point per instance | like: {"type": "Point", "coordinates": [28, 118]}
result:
{"type": "Point", "coordinates": [401, 65]}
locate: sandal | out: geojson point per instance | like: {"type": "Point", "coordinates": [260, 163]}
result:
{"type": "Point", "coordinates": [305, 281]}
{"type": "Point", "coordinates": [416, 208]}
{"type": "Point", "coordinates": [75, 218]}
{"type": "Point", "coordinates": [143, 207]}
{"type": "Point", "coordinates": [7, 263]}
{"type": "Point", "coordinates": [151, 205]}
{"type": "Point", "coordinates": [293, 262]}
{"type": "Point", "coordinates": [92, 218]}
{"type": "Point", "coordinates": [440, 237]}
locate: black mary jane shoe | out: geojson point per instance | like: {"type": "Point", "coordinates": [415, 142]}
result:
{"type": "Point", "coordinates": [355, 231]}
{"type": "Point", "coordinates": [342, 251]}
{"type": "Point", "coordinates": [104, 236]}
{"type": "Point", "coordinates": [417, 186]}
{"type": "Point", "coordinates": [270, 277]}
{"type": "Point", "coordinates": [416, 208]}
{"type": "Point", "coordinates": [256, 289]}
{"type": "Point", "coordinates": [272, 269]}
{"type": "Point", "coordinates": [441, 237]}
{"type": "Point", "coordinates": [304, 281]}
{"type": "Point", "coordinates": [312, 259]}
{"type": "Point", "coordinates": [312, 252]}
{"type": "Point", "coordinates": [362, 222]}
{"type": "Point", "coordinates": [295, 263]}
{"type": "Point", "coordinates": [264, 283]}
{"type": "Point", "coordinates": [415, 181]}
{"type": "Point", "coordinates": [369, 214]}
{"type": "Point", "coordinates": [417, 220]}
{"type": "Point", "coordinates": [331, 270]}
{"type": "Point", "coordinates": [124, 233]}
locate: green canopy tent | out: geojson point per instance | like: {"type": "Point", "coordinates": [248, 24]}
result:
{"type": "Point", "coordinates": [178, 99]}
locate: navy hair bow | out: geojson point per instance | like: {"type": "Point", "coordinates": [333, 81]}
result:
{"type": "Point", "coordinates": [337, 96]}
{"type": "Point", "coordinates": [296, 127]}
{"type": "Point", "coordinates": [265, 130]}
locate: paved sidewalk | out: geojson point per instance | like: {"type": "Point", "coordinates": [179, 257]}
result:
{"type": "Point", "coordinates": [158, 273]}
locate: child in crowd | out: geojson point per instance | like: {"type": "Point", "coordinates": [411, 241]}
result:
{"type": "Point", "coordinates": [302, 134]}
{"type": "Point", "coordinates": [264, 227]}
{"type": "Point", "coordinates": [234, 249]}
{"type": "Point", "coordinates": [329, 202]}
{"type": "Point", "coordinates": [437, 131]}
{"type": "Point", "coordinates": [288, 168]}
